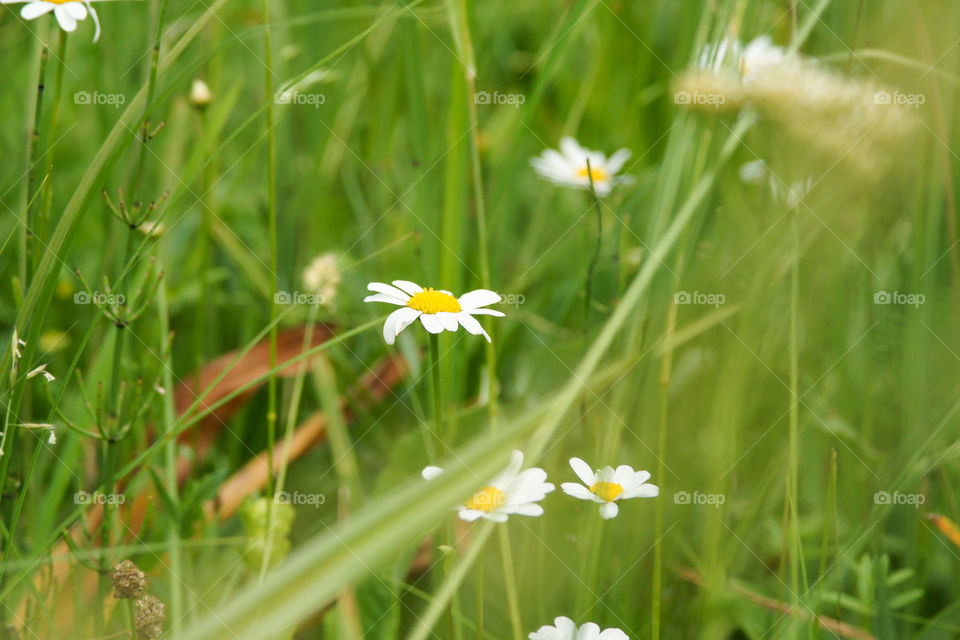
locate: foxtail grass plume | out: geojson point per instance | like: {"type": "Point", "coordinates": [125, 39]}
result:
{"type": "Point", "coordinates": [129, 582]}
{"type": "Point", "coordinates": [607, 486]}
{"type": "Point", "coordinates": [565, 629]}
{"type": "Point", "coordinates": [511, 492]}
{"type": "Point", "coordinates": [437, 309]}
{"type": "Point", "coordinates": [569, 166]}
{"type": "Point", "coordinates": [322, 276]}
{"type": "Point", "coordinates": [67, 12]}
{"type": "Point", "coordinates": [822, 117]}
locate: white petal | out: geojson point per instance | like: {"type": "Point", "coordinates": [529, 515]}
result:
{"type": "Point", "coordinates": [495, 516]}
{"type": "Point", "coordinates": [643, 491]}
{"type": "Point", "coordinates": [583, 471]}
{"type": "Point", "coordinates": [431, 323]}
{"type": "Point", "coordinates": [67, 22]}
{"type": "Point", "coordinates": [613, 634]}
{"type": "Point", "coordinates": [76, 9]}
{"type": "Point", "coordinates": [623, 476]}
{"type": "Point", "coordinates": [504, 480]}
{"type": "Point", "coordinates": [386, 297]}
{"type": "Point", "coordinates": [617, 160]}
{"type": "Point", "coordinates": [471, 325]}
{"type": "Point", "coordinates": [469, 515]}
{"type": "Point", "coordinates": [577, 491]}
{"type": "Point", "coordinates": [486, 312]}
{"type": "Point", "coordinates": [397, 322]}
{"type": "Point", "coordinates": [609, 510]}
{"type": "Point", "coordinates": [572, 149]}
{"type": "Point", "coordinates": [36, 9]}
{"type": "Point", "coordinates": [408, 287]}
{"type": "Point", "coordinates": [478, 298]}
{"type": "Point", "coordinates": [589, 631]}
{"type": "Point", "coordinates": [606, 474]}
{"type": "Point", "coordinates": [429, 473]}
{"type": "Point", "coordinates": [448, 320]}
{"type": "Point", "coordinates": [526, 509]}
{"type": "Point", "coordinates": [635, 479]}
{"type": "Point", "coordinates": [380, 287]}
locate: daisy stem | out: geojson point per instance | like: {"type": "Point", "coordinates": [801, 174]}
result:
{"type": "Point", "coordinates": [26, 236]}
{"type": "Point", "coordinates": [794, 398]}
{"type": "Point", "coordinates": [479, 601]}
{"type": "Point", "coordinates": [437, 394]}
{"type": "Point", "coordinates": [588, 287]}
{"type": "Point", "coordinates": [513, 604]}
{"type": "Point", "coordinates": [54, 119]}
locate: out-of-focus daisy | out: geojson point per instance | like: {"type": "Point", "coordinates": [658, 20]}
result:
{"type": "Point", "coordinates": [511, 492]}
{"type": "Point", "coordinates": [760, 54]}
{"type": "Point", "coordinates": [608, 486]}
{"type": "Point", "coordinates": [67, 12]}
{"type": "Point", "coordinates": [569, 166]}
{"type": "Point", "coordinates": [564, 629]}
{"type": "Point", "coordinates": [438, 310]}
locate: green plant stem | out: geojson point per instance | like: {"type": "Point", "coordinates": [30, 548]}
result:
{"type": "Point", "coordinates": [794, 402]}
{"type": "Point", "coordinates": [510, 580]}
{"type": "Point", "coordinates": [592, 266]}
{"type": "Point", "coordinates": [47, 187]}
{"type": "Point", "coordinates": [33, 145]}
{"type": "Point", "coordinates": [437, 394]}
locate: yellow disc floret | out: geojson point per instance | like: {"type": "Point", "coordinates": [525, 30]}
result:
{"type": "Point", "coordinates": [599, 175]}
{"type": "Point", "coordinates": [607, 491]}
{"type": "Point", "coordinates": [487, 500]}
{"type": "Point", "coordinates": [430, 301]}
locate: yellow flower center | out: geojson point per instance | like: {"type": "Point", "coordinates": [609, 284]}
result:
{"type": "Point", "coordinates": [606, 490]}
{"type": "Point", "coordinates": [598, 174]}
{"type": "Point", "coordinates": [430, 301]}
{"type": "Point", "coordinates": [487, 499]}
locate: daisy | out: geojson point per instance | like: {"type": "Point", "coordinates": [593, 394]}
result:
{"type": "Point", "coordinates": [759, 55]}
{"type": "Point", "coordinates": [564, 629]}
{"type": "Point", "coordinates": [512, 492]}
{"type": "Point", "coordinates": [569, 166]}
{"type": "Point", "coordinates": [438, 310]}
{"type": "Point", "coordinates": [67, 12]}
{"type": "Point", "coordinates": [608, 485]}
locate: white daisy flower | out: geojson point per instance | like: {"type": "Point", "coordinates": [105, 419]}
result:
{"type": "Point", "coordinates": [569, 166]}
{"type": "Point", "coordinates": [759, 55]}
{"type": "Point", "coordinates": [511, 492]}
{"type": "Point", "coordinates": [67, 12]}
{"type": "Point", "coordinates": [564, 629]}
{"type": "Point", "coordinates": [608, 485]}
{"type": "Point", "coordinates": [438, 310]}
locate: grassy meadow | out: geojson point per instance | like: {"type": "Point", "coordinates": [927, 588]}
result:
{"type": "Point", "coordinates": [209, 434]}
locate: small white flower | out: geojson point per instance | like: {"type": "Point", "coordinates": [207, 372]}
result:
{"type": "Point", "coordinates": [564, 629]}
{"type": "Point", "coordinates": [438, 310]}
{"type": "Point", "coordinates": [200, 95]}
{"type": "Point", "coordinates": [608, 485]}
{"type": "Point", "coordinates": [511, 492]}
{"type": "Point", "coordinates": [759, 55]}
{"type": "Point", "coordinates": [569, 166]}
{"type": "Point", "coordinates": [52, 438]}
{"type": "Point", "coordinates": [322, 276]}
{"type": "Point", "coordinates": [67, 12]}
{"type": "Point", "coordinates": [42, 370]}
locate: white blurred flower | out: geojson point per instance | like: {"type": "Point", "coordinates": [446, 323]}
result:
{"type": "Point", "coordinates": [200, 95]}
{"type": "Point", "coordinates": [608, 486]}
{"type": "Point", "coordinates": [569, 166]}
{"type": "Point", "coordinates": [67, 12]}
{"type": "Point", "coordinates": [729, 54]}
{"type": "Point", "coordinates": [438, 310]}
{"type": "Point", "coordinates": [511, 492]}
{"type": "Point", "coordinates": [564, 629]}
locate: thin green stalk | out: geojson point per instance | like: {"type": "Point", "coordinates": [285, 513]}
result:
{"type": "Point", "coordinates": [513, 603]}
{"type": "Point", "coordinates": [33, 145]}
{"type": "Point", "coordinates": [794, 401]}
{"type": "Point", "coordinates": [437, 394]}
{"type": "Point", "coordinates": [47, 187]}
{"type": "Point", "coordinates": [591, 268]}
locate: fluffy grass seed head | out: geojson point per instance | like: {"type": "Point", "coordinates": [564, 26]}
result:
{"type": "Point", "coordinates": [129, 582]}
{"type": "Point", "coordinates": [607, 486]}
{"type": "Point", "coordinates": [511, 492]}
{"type": "Point", "coordinates": [569, 166]}
{"type": "Point", "coordinates": [438, 310]}
{"type": "Point", "coordinates": [565, 629]}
